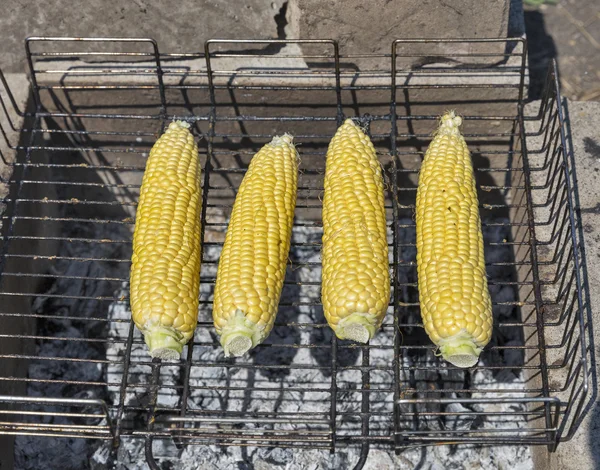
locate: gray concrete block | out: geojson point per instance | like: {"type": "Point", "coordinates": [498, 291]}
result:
{"type": "Point", "coordinates": [181, 26]}
{"type": "Point", "coordinates": [371, 27]}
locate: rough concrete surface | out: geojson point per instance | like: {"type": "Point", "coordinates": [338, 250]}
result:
{"type": "Point", "coordinates": [366, 27]}
{"type": "Point", "coordinates": [180, 26]}
{"type": "Point", "coordinates": [583, 451]}
{"type": "Point", "coordinates": [371, 27]}
{"type": "Point", "coordinates": [184, 26]}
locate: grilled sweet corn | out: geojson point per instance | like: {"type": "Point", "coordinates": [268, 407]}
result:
{"type": "Point", "coordinates": [453, 291]}
{"type": "Point", "coordinates": [254, 257]}
{"type": "Point", "coordinates": [165, 267]}
{"type": "Point", "coordinates": [356, 285]}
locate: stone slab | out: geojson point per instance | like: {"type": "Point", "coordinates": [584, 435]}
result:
{"type": "Point", "coordinates": [184, 26]}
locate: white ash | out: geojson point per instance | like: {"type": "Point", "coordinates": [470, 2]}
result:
{"type": "Point", "coordinates": [313, 383]}
{"type": "Point", "coordinates": [314, 395]}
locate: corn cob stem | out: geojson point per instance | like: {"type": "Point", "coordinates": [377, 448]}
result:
{"type": "Point", "coordinates": [460, 349]}
{"type": "Point", "coordinates": [359, 326]}
{"type": "Point", "coordinates": [163, 343]}
{"type": "Point", "coordinates": [239, 335]}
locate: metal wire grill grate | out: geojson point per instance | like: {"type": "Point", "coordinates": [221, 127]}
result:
{"type": "Point", "coordinates": [97, 107]}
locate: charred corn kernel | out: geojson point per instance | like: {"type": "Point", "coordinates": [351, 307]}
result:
{"type": "Point", "coordinates": [254, 257]}
{"type": "Point", "coordinates": [453, 291]}
{"type": "Point", "coordinates": [356, 285]}
{"type": "Point", "coordinates": [165, 270]}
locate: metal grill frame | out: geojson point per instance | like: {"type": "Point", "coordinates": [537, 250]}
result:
{"type": "Point", "coordinates": [559, 408]}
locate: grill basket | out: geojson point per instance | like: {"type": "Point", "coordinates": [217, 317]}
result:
{"type": "Point", "coordinates": [78, 367]}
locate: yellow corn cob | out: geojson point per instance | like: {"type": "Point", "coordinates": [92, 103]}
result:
{"type": "Point", "coordinates": [453, 291]}
{"type": "Point", "coordinates": [356, 282]}
{"type": "Point", "coordinates": [254, 257]}
{"type": "Point", "coordinates": [165, 270]}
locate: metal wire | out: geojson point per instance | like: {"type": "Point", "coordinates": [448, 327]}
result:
{"type": "Point", "coordinates": [80, 154]}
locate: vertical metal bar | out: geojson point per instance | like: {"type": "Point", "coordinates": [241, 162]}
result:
{"type": "Point", "coordinates": [211, 85]}
{"type": "Point", "coordinates": [523, 69]}
{"type": "Point", "coordinates": [334, 340]}
{"type": "Point", "coordinates": [123, 387]}
{"type": "Point", "coordinates": [338, 85]}
{"type": "Point", "coordinates": [364, 408]}
{"type": "Point", "coordinates": [396, 251]}
{"type": "Point", "coordinates": [362, 460]}
{"type": "Point", "coordinates": [149, 455]}
{"type": "Point", "coordinates": [153, 398]}
{"type": "Point", "coordinates": [161, 85]}
{"type": "Point", "coordinates": [333, 392]}
{"type": "Point", "coordinates": [34, 84]}
{"type": "Point", "coordinates": [188, 364]}
{"type": "Point", "coordinates": [205, 194]}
